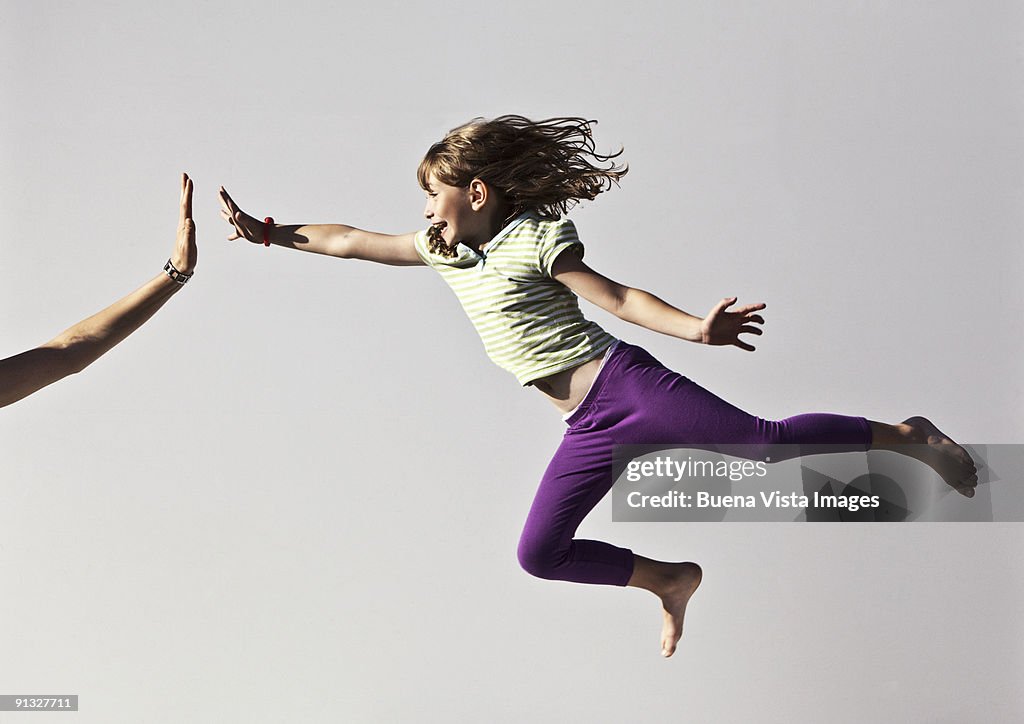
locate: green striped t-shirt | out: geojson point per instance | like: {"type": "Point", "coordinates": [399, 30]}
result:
{"type": "Point", "coordinates": [530, 324]}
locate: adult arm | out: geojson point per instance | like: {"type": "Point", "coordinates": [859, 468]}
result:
{"type": "Point", "coordinates": [77, 347]}
{"type": "Point", "coordinates": [719, 327]}
{"type": "Point", "coordinates": [338, 240]}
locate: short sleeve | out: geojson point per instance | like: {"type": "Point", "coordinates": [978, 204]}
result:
{"type": "Point", "coordinates": [423, 247]}
{"type": "Point", "coordinates": [561, 235]}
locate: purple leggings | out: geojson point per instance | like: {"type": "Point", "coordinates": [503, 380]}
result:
{"type": "Point", "coordinates": [635, 400]}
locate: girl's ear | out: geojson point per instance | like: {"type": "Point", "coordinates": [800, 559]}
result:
{"type": "Point", "coordinates": [479, 193]}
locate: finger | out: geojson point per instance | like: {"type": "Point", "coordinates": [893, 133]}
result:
{"type": "Point", "coordinates": [237, 220]}
{"type": "Point", "coordinates": [231, 217]}
{"type": "Point", "coordinates": [752, 307]}
{"type": "Point", "coordinates": [228, 201]}
{"type": "Point", "coordinates": [743, 345]}
{"type": "Point", "coordinates": [724, 304]}
{"type": "Point", "coordinates": [234, 229]}
{"type": "Point", "coordinates": [754, 319]}
{"type": "Point", "coordinates": [181, 200]}
{"type": "Point", "coordinates": [750, 330]}
{"type": "Point", "coordinates": [188, 197]}
{"type": "Point", "coordinates": [748, 308]}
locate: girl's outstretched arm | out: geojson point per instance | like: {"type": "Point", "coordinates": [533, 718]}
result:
{"type": "Point", "coordinates": [79, 346]}
{"type": "Point", "coordinates": [720, 327]}
{"type": "Point", "coordinates": [344, 242]}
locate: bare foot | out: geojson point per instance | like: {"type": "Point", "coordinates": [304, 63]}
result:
{"type": "Point", "coordinates": [953, 464]}
{"type": "Point", "coordinates": [673, 583]}
{"type": "Point", "coordinates": [681, 583]}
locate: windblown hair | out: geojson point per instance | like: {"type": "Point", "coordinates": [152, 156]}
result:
{"type": "Point", "coordinates": [544, 166]}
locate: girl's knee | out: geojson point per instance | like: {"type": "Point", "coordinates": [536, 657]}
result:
{"type": "Point", "coordinates": [539, 559]}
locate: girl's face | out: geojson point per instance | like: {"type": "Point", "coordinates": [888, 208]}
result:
{"type": "Point", "coordinates": [453, 210]}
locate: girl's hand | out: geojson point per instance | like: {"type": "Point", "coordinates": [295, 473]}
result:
{"type": "Point", "coordinates": [722, 327]}
{"type": "Point", "coordinates": [243, 226]}
{"type": "Point", "coordinates": [185, 253]}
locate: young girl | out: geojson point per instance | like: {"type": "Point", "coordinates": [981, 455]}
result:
{"type": "Point", "coordinates": [497, 191]}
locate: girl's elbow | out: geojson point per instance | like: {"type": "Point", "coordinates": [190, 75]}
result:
{"type": "Point", "coordinates": [342, 248]}
{"type": "Point", "coordinates": [619, 303]}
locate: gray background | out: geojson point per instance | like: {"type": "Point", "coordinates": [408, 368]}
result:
{"type": "Point", "coordinates": [296, 494]}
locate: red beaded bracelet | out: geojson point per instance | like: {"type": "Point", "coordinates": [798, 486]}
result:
{"type": "Point", "coordinates": [267, 223]}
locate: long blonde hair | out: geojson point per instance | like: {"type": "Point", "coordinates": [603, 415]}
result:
{"type": "Point", "coordinates": [544, 166]}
